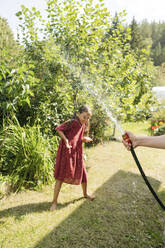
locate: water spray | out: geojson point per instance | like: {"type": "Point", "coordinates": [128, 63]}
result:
{"type": "Point", "coordinates": [124, 135]}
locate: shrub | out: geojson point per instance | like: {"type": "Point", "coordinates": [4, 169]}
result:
{"type": "Point", "coordinates": [27, 156]}
{"type": "Point", "coordinates": [98, 124]}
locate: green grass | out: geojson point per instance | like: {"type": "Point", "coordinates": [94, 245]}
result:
{"type": "Point", "coordinates": [123, 215]}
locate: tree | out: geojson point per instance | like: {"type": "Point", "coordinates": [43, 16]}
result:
{"type": "Point", "coordinates": [157, 54]}
{"type": "Point", "coordinates": [8, 46]}
{"type": "Point", "coordinates": [136, 37]}
{"type": "Point", "coordinates": [76, 56]}
{"type": "Point", "coordinates": [145, 30]}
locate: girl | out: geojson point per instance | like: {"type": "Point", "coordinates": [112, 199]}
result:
{"type": "Point", "coordinates": [69, 166]}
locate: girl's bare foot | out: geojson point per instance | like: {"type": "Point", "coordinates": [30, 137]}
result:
{"type": "Point", "coordinates": [53, 207]}
{"type": "Point", "coordinates": [90, 197]}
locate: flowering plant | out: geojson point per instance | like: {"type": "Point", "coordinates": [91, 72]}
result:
{"type": "Point", "coordinates": [157, 123]}
{"type": "Point", "coordinates": [158, 129]}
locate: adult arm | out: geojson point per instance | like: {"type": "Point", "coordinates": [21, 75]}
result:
{"type": "Point", "coordinates": [146, 141]}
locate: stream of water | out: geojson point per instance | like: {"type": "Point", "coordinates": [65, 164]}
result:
{"type": "Point", "coordinates": [92, 90]}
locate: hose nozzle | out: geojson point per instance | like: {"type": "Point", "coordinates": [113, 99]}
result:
{"type": "Point", "coordinates": [125, 137]}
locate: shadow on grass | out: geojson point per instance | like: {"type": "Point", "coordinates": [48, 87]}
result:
{"type": "Point", "coordinates": [19, 211]}
{"type": "Point", "coordinates": [124, 214]}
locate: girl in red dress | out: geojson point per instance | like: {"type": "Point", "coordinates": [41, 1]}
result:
{"type": "Point", "coordinates": [69, 166]}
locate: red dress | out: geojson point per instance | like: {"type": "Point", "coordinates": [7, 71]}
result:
{"type": "Point", "coordinates": [69, 166]}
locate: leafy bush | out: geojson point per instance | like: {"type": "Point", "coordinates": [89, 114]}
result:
{"type": "Point", "coordinates": [98, 124]}
{"type": "Point", "coordinates": [27, 156]}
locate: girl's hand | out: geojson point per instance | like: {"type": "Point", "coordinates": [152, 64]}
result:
{"type": "Point", "coordinates": [67, 144]}
{"type": "Point", "coordinates": [86, 139]}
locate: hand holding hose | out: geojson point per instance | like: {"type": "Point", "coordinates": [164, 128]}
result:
{"type": "Point", "coordinates": [130, 140]}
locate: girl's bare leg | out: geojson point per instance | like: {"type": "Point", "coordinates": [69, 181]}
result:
{"type": "Point", "coordinates": [84, 188]}
{"type": "Point", "coordinates": [57, 188]}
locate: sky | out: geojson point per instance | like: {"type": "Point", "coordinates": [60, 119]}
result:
{"type": "Point", "coordinates": [151, 10]}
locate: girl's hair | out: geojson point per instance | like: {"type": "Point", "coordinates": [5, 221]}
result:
{"type": "Point", "coordinates": [83, 108]}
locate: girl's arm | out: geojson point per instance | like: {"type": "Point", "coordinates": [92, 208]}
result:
{"type": "Point", "coordinates": [62, 135]}
{"type": "Point", "coordinates": [153, 141]}
{"type": "Point", "coordinates": [86, 139]}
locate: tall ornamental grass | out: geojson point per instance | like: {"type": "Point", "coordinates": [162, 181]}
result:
{"type": "Point", "coordinates": [27, 156]}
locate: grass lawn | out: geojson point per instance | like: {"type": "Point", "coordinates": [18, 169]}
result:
{"type": "Point", "coordinates": [123, 215]}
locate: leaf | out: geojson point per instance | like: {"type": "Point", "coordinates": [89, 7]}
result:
{"type": "Point", "coordinates": [19, 13]}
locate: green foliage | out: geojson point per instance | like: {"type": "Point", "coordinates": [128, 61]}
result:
{"type": "Point", "coordinates": [159, 75]}
{"type": "Point", "coordinates": [27, 156]}
{"type": "Point", "coordinates": [153, 36]}
{"type": "Point", "coordinates": [53, 111]}
{"type": "Point", "coordinates": [77, 55]}
{"type": "Point", "coordinates": [136, 37]}
{"type": "Point", "coordinates": [129, 218]}
{"type": "Point", "coordinates": [158, 52]}
{"type": "Point", "coordinates": [82, 47]}
{"type": "Point", "coordinates": [98, 124]}
{"type": "Point", "coordinates": [15, 89]}
{"type": "Point", "coordinates": [8, 46]}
